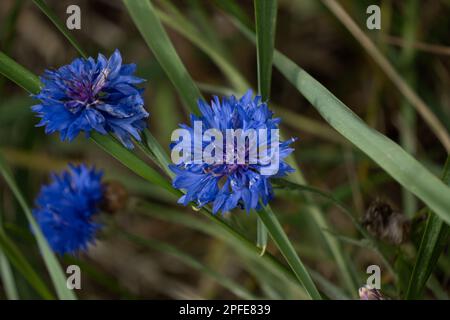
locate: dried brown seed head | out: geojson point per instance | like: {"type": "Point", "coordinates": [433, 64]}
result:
{"type": "Point", "coordinates": [385, 224]}
{"type": "Point", "coordinates": [115, 197]}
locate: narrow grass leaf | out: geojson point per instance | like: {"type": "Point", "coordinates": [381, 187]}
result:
{"type": "Point", "coordinates": [281, 240]}
{"type": "Point", "coordinates": [54, 268]}
{"type": "Point", "coordinates": [18, 74]}
{"type": "Point", "coordinates": [261, 236]}
{"type": "Point", "coordinates": [153, 146]}
{"type": "Point", "coordinates": [6, 273]}
{"type": "Point", "coordinates": [265, 20]}
{"type": "Point", "coordinates": [329, 289]}
{"type": "Point", "coordinates": [130, 160]}
{"type": "Point", "coordinates": [7, 276]}
{"type": "Point", "coordinates": [429, 117]}
{"type": "Point", "coordinates": [386, 153]}
{"type": "Point", "coordinates": [18, 260]}
{"type": "Point", "coordinates": [182, 25]}
{"type": "Point", "coordinates": [434, 239]}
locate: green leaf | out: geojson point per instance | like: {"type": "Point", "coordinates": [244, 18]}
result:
{"type": "Point", "coordinates": [21, 264]}
{"type": "Point", "coordinates": [7, 276]}
{"type": "Point", "coordinates": [6, 273]}
{"type": "Point", "coordinates": [130, 160]}
{"type": "Point", "coordinates": [410, 95]}
{"type": "Point", "coordinates": [54, 268]}
{"type": "Point", "coordinates": [261, 235]}
{"type": "Point", "coordinates": [328, 288]}
{"type": "Point", "coordinates": [434, 239]}
{"type": "Point", "coordinates": [386, 153]}
{"type": "Point", "coordinates": [236, 10]}
{"type": "Point", "coordinates": [151, 29]}
{"type": "Point", "coordinates": [179, 23]}
{"type": "Point", "coordinates": [151, 145]}
{"type": "Point", "coordinates": [281, 240]}
{"type": "Point", "coordinates": [265, 17]}
{"type": "Point", "coordinates": [265, 20]}
{"type": "Point", "coordinates": [18, 74]}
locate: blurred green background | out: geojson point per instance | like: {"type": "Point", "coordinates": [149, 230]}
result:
{"type": "Point", "coordinates": [166, 251]}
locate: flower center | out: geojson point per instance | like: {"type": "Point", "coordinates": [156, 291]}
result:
{"type": "Point", "coordinates": [84, 91]}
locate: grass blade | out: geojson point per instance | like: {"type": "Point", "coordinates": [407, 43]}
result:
{"type": "Point", "coordinates": [179, 23]}
{"type": "Point", "coordinates": [23, 266]}
{"type": "Point", "coordinates": [386, 153]}
{"type": "Point", "coordinates": [6, 274]}
{"type": "Point", "coordinates": [408, 117]}
{"type": "Point", "coordinates": [18, 74]}
{"type": "Point", "coordinates": [54, 268]}
{"type": "Point", "coordinates": [150, 144]}
{"type": "Point", "coordinates": [7, 277]}
{"type": "Point", "coordinates": [265, 20]}
{"type": "Point", "coordinates": [434, 239]}
{"type": "Point", "coordinates": [328, 288]}
{"type": "Point", "coordinates": [130, 160]}
{"type": "Point", "coordinates": [281, 240]}
{"type": "Point", "coordinates": [421, 107]}
{"type": "Point", "coordinates": [151, 29]}
{"type": "Point", "coordinates": [261, 234]}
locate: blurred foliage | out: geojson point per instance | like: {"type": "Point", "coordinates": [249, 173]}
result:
{"type": "Point", "coordinates": [167, 251]}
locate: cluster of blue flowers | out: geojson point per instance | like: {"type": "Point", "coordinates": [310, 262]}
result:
{"type": "Point", "coordinates": [66, 207]}
{"type": "Point", "coordinates": [101, 95]}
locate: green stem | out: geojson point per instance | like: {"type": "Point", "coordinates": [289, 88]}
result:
{"type": "Point", "coordinates": [54, 268]}
{"type": "Point", "coordinates": [281, 240]}
{"type": "Point", "coordinates": [434, 239]}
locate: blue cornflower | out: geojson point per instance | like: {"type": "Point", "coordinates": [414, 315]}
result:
{"type": "Point", "coordinates": [230, 183]}
{"type": "Point", "coordinates": [90, 94]}
{"type": "Point", "coordinates": [65, 208]}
